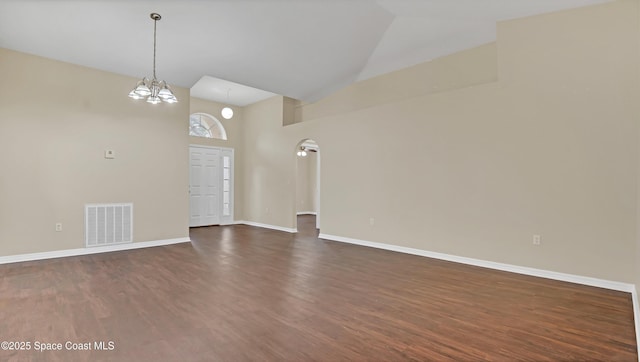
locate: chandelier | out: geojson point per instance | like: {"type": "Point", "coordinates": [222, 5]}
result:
{"type": "Point", "coordinates": [153, 90]}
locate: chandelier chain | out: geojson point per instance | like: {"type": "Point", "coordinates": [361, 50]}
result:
{"type": "Point", "coordinates": [155, 22]}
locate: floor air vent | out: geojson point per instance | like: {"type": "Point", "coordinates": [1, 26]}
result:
{"type": "Point", "coordinates": [108, 224]}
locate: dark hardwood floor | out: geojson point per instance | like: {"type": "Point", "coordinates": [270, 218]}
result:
{"type": "Point", "coordinates": [241, 293]}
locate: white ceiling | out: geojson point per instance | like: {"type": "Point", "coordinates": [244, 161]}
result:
{"type": "Point", "coordinates": [304, 49]}
{"type": "Point", "coordinates": [223, 91]}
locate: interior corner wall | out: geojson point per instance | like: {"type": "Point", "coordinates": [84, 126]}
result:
{"type": "Point", "coordinates": [637, 91]}
{"type": "Point", "coordinates": [551, 148]}
{"type": "Point", "coordinates": [235, 138]}
{"type": "Point", "coordinates": [53, 134]}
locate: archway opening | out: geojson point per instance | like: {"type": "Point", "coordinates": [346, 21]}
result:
{"type": "Point", "coordinates": [307, 192]}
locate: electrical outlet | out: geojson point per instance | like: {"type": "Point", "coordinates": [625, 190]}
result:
{"type": "Point", "coordinates": [537, 240]}
{"type": "Point", "coordinates": [59, 226]}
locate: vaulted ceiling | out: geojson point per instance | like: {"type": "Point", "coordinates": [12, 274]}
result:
{"type": "Point", "coordinates": [304, 49]}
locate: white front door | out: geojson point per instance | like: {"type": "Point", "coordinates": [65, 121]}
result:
{"type": "Point", "coordinates": [204, 182]}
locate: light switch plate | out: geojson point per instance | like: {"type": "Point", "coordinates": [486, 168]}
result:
{"type": "Point", "coordinates": [109, 154]}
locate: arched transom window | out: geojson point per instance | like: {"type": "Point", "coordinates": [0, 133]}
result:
{"type": "Point", "coordinates": [206, 125]}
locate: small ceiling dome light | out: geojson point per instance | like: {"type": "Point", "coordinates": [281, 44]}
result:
{"type": "Point", "coordinates": [154, 90]}
{"type": "Point", "coordinates": [227, 113]}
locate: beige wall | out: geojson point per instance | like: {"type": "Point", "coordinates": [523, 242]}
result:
{"type": "Point", "coordinates": [234, 140]}
{"type": "Point", "coordinates": [269, 166]}
{"type": "Point", "coordinates": [56, 120]}
{"type": "Point", "coordinates": [637, 90]}
{"type": "Point", "coordinates": [306, 183]}
{"type": "Point", "coordinates": [313, 181]}
{"type": "Point", "coordinates": [439, 75]}
{"type": "Point", "coordinates": [551, 149]}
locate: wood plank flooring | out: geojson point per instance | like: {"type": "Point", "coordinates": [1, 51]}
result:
{"type": "Point", "coordinates": [240, 293]}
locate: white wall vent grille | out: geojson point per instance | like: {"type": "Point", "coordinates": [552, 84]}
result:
{"type": "Point", "coordinates": [108, 224]}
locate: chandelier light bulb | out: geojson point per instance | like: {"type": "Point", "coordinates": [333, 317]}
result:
{"type": "Point", "coordinates": [165, 93]}
{"type": "Point", "coordinates": [153, 100]}
{"type": "Point", "coordinates": [135, 95]}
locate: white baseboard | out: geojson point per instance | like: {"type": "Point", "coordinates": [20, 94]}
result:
{"type": "Point", "coordinates": [601, 283]}
{"type": "Point", "coordinates": [306, 213]}
{"type": "Point", "coordinates": [636, 317]}
{"type": "Point", "coordinates": [267, 226]}
{"type": "Point", "coordinates": [90, 250]}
